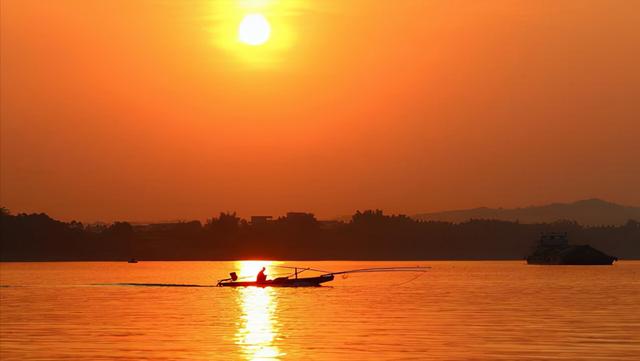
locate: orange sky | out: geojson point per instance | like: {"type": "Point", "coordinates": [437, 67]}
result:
{"type": "Point", "coordinates": [149, 110]}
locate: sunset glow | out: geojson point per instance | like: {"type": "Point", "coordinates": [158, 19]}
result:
{"type": "Point", "coordinates": [254, 30]}
{"type": "Point", "coordinates": [145, 111]}
{"type": "Point", "coordinates": [251, 268]}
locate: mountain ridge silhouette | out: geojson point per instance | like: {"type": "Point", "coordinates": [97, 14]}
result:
{"type": "Point", "coordinates": [592, 211]}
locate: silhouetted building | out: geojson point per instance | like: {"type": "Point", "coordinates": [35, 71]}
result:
{"type": "Point", "coordinates": [300, 216]}
{"type": "Point", "coordinates": [257, 220]}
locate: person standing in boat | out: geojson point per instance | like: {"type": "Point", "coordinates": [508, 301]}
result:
{"type": "Point", "coordinates": [261, 276]}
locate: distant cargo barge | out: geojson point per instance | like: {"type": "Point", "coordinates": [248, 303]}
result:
{"type": "Point", "coordinates": [554, 249]}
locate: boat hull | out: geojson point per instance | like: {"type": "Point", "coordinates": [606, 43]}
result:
{"type": "Point", "coordinates": [282, 282]}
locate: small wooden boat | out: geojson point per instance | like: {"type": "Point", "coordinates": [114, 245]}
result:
{"type": "Point", "coordinates": [280, 282]}
{"type": "Point", "coordinates": [132, 260]}
{"type": "Point", "coordinates": [293, 280]}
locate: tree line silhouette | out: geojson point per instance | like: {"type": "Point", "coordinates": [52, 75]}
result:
{"type": "Point", "coordinates": [369, 235]}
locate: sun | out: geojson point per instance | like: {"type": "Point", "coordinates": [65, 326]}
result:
{"type": "Point", "coordinates": [254, 30]}
{"type": "Point", "coordinates": [257, 33]}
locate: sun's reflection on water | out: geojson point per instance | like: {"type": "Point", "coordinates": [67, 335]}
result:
{"type": "Point", "coordinates": [258, 325]}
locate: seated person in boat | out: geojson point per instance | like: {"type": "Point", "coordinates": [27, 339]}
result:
{"type": "Point", "coordinates": [261, 276]}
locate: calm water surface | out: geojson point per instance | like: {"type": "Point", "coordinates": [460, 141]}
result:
{"type": "Point", "coordinates": [457, 311]}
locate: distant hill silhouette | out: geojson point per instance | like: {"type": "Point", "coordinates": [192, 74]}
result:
{"type": "Point", "coordinates": [588, 212]}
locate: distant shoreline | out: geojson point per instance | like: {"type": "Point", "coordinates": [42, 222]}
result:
{"type": "Point", "coordinates": [369, 236]}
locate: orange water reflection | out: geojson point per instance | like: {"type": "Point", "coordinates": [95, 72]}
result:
{"type": "Point", "coordinates": [258, 325]}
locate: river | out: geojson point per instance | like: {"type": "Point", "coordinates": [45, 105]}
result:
{"type": "Point", "coordinates": [499, 310]}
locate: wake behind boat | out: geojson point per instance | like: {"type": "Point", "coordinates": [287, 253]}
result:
{"type": "Point", "coordinates": [293, 280]}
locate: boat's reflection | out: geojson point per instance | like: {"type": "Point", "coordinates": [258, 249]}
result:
{"type": "Point", "coordinates": [257, 327]}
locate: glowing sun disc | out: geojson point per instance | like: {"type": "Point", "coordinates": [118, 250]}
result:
{"type": "Point", "coordinates": [254, 30]}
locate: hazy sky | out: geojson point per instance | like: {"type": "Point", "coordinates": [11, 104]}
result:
{"type": "Point", "coordinates": [149, 110]}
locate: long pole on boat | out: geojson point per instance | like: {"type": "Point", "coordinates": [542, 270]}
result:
{"type": "Point", "coordinates": [361, 270]}
{"type": "Point", "coordinates": [382, 269]}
